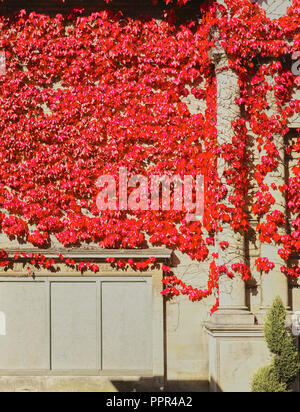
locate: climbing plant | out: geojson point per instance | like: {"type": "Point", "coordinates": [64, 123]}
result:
{"type": "Point", "coordinates": [84, 95]}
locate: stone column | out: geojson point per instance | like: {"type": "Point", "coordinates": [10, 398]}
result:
{"type": "Point", "coordinates": [232, 291]}
{"type": "Point", "coordinates": [236, 345]}
{"type": "Point", "coordinates": [275, 283]}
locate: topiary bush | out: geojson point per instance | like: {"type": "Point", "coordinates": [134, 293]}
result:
{"type": "Point", "coordinates": [266, 380]}
{"type": "Point", "coordinates": [275, 329]}
{"type": "Point", "coordinates": [286, 364]}
{"type": "Point", "coordinates": [281, 374]}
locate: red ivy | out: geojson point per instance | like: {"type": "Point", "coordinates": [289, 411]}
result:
{"type": "Point", "coordinates": [83, 96]}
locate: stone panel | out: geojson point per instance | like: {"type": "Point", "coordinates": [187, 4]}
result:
{"type": "Point", "coordinates": [23, 339]}
{"type": "Point", "coordinates": [127, 325]}
{"type": "Point", "coordinates": [240, 359]}
{"type": "Point", "coordinates": [74, 326]}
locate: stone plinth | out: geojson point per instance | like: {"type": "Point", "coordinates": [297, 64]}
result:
{"type": "Point", "coordinates": [235, 355]}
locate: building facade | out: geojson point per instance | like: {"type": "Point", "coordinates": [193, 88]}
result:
{"type": "Point", "coordinates": [113, 331]}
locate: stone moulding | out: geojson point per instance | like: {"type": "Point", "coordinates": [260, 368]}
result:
{"type": "Point", "coordinates": [234, 330]}
{"type": "Point", "coordinates": [97, 254]}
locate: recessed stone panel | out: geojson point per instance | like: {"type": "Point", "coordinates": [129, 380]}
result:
{"type": "Point", "coordinates": [74, 326]}
{"type": "Point", "coordinates": [23, 326]}
{"type": "Point", "coordinates": [127, 325]}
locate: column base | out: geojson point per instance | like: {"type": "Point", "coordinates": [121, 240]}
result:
{"type": "Point", "coordinates": [233, 316]}
{"type": "Point", "coordinates": [263, 312]}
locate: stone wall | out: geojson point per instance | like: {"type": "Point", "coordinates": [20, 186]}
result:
{"type": "Point", "coordinates": [228, 355]}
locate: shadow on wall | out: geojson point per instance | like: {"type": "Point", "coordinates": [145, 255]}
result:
{"type": "Point", "coordinates": [132, 8]}
{"type": "Point", "coordinates": [156, 385]}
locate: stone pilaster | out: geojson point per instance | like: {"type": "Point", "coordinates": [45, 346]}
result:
{"type": "Point", "coordinates": [232, 291]}
{"type": "Point", "coordinates": [275, 283]}
{"type": "Point", "coordinates": [236, 345]}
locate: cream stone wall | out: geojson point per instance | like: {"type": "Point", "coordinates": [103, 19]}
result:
{"type": "Point", "coordinates": [187, 343]}
{"type": "Point", "coordinates": [275, 8]}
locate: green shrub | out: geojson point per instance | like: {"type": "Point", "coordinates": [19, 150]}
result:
{"type": "Point", "coordinates": [266, 380]}
{"type": "Point", "coordinates": [275, 330]}
{"type": "Point", "coordinates": [287, 364]}
{"type": "Point", "coordinates": [280, 375]}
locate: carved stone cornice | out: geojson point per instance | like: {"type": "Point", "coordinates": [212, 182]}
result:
{"type": "Point", "coordinates": [96, 254]}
